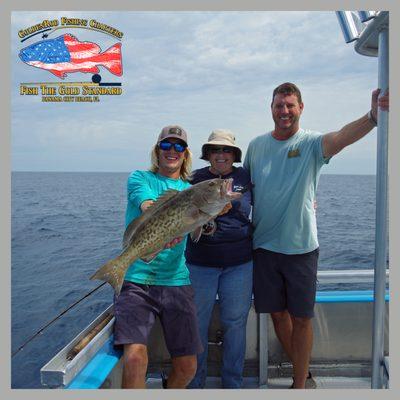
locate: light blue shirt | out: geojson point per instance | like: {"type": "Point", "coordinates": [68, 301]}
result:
{"type": "Point", "coordinates": [168, 268]}
{"type": "Point", "coordinates": [285, 175]}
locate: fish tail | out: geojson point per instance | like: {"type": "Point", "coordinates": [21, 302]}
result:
{"type": "Point", "coordinates": [112, 59]}
{"type": "Point", "coordinates": [113, 272]}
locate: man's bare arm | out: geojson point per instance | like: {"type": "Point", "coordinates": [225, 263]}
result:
{"type": "Point", "coordinates": [334, 142]}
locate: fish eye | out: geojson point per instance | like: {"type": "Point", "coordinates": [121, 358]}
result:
{"type": "Point", "coordinates": [211, 184]}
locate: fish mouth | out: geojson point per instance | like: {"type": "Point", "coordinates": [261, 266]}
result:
{"type": "Point", "coordinates": [226, 186]}
{"type": "Point", "coordinates": [226, 189]}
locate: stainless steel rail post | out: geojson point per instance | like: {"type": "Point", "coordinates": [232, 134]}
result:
{"type": "Point", "coordinates": [263, 350]}
{"type": "Point", "coordinates": [381, 217]}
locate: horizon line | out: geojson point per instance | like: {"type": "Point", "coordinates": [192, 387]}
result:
{"type": "Point", "coordinates": [128, 172]}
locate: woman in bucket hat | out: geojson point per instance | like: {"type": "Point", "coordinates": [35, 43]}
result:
{"type": "Point", "coordinates": [221, 262]}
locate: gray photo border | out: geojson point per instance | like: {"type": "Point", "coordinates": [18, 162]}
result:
{"type": "Point", "coordinates": [8, 6]}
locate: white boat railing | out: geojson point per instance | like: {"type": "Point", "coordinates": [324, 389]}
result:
{"type": "Point", "coordinates": [348, 276]}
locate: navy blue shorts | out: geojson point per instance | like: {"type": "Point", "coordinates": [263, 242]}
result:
{"type": "Point", "coordinates": [137, 307]}
{"type": "Point", "coordinates": [285, 282]}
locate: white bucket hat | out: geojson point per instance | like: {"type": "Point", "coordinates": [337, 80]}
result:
{"type": "Point", "coordinates": [221, 137]}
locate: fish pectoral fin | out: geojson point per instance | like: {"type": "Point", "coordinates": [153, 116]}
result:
{"type": "Point", "coordinates": [195, 217]}
{"type": "Point", "coordinates": [192, 217]}
{"type": "Point", "coordinates": [196, 234]}
{"type": "Point", "coordinates": [195, 220]}
{"type": "Point", "coordinates": [59, 74]}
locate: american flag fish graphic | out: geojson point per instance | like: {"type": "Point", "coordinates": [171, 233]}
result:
{"type": "Point", "coordinates": [67, 54]}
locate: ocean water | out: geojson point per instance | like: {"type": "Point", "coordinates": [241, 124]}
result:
{"type": "Point", "coordinates": [66, 225]}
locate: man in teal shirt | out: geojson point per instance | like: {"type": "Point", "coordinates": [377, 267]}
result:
{"type": "Point", "coordinates": [285, 166]}
{"type": "Point", "coordinates": [160, 288]}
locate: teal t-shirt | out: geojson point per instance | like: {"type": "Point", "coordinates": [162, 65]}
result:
{"type": "Point", "coordinates": [169, 267]}
{"type": "Point", "coordinates": [285, 176]}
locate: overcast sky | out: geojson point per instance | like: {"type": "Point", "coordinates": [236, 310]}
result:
{"type": "Point", "coordinates": [201, 70]}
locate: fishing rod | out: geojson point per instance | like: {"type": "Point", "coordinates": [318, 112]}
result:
{"type": "Point", "coordinates": [55, 319]}
{"type": "Point", "coordinates": [242, 190]}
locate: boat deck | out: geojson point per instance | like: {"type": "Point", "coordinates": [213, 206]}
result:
{"type": "Point", "coordinates": [324, 382]}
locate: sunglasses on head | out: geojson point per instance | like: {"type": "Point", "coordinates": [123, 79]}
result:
{"type": "Point", "coordinates": [215, 150]}
{"type": "Point", "coordinates": [179, 147]}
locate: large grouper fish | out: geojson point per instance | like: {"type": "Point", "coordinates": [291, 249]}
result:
{"type": "Point", "coordinates": [173, 214]}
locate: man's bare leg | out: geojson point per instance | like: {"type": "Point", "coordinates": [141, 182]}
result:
{"type": "Point", "coordinates": [183, 371]}
{"type": "Point", "coordinates": [283, 329]}
{"type": "Point", "coordinates": [296, 337]}
{"type": "Point", "coordinates": [302, 341]}
{"type": "Point", "coordinates": [135, 362]}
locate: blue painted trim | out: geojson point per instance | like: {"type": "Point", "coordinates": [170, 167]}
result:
{"type": "Point", "coordinates": [347, 296]}
{"type": "Point", "coordinates": [98, 368]}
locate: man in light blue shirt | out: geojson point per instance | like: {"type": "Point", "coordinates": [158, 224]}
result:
{"type": "Point", "coordinates": [285, 166]}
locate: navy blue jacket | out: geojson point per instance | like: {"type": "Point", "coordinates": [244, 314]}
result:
{"type": "Point", "coordinates": [231, 243]}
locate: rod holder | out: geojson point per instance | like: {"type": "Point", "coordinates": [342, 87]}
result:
{"type": "Point", "coordinates": [350, 24]}
{"type": "Point", "coordinates": [366, 15]}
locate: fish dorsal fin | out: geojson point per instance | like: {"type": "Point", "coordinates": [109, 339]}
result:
{"type": "Point", "coordinates": [168, 194]}
{"type": "Point", "coordinates": [133, 226]}
{"type": "Point", "coordinates": [70, 36]}
{"type": "Point", "coordinates": [92, 48]}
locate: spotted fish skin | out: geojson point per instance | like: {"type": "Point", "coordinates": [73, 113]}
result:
{"type": "Point", "coordinates": [173, 215]}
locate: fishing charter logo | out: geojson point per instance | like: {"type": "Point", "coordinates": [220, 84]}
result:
{"type": "Point", "coordinates": [59, 47]}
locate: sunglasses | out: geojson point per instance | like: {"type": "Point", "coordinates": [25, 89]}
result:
{"type": "Point", "coordinates": [215, 150]}
{"type": "Point", "coordinates": [179, 147]}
